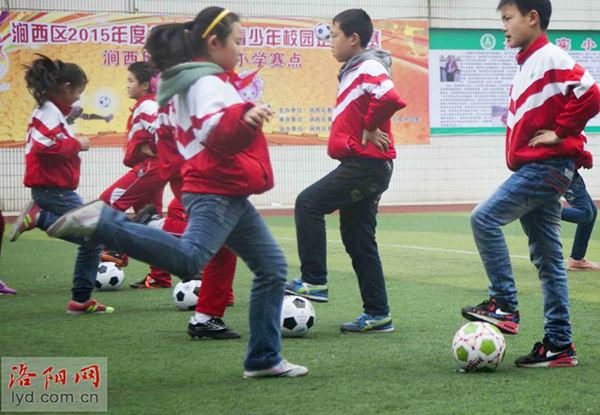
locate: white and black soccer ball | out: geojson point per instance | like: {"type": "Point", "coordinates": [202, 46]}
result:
{"type": "Point", "coordinates": [110, 277]}
{"type": "Point", "coordinates": [185, 294]}
{"type": "Point", "coordinates": [478, 346]}
{"type": "Point", "coordinates": [297, 316]}
{"type": "Point", "coordinates": [104, 101]}
{"type": "Point", "coordinates": [323, 32]}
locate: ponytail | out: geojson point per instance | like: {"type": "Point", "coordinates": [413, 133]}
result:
{"type": "Point", "coordinates": [44, 77]}
{"type": "Point", "coordinates": [175, 43]}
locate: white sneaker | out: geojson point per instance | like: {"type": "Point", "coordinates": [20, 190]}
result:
{"type": "Point", "coordinates": [80, 222]}
{"type": "Point", "coordinates": [283, 369]}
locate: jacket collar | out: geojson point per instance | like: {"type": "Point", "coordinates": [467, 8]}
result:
{"type": "Point", "coordinates": [539, 43]}
{"type": "Point", "coordinates": [64, 109]}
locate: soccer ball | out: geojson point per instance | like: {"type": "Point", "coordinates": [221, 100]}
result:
{"type": "Point", "coordinates": [478, 346]}
{"type": "Point", "coordinates": [104, 101]}
{"type": "Point", "coordinates": [110, 277]}
{"type": "Point", "coordinates": [297, 316]}
{"type": "Point", "coordinates": [323, 32]}
{"type": "Point", "coordinates": [185, 294]}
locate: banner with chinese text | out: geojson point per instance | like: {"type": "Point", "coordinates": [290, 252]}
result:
{"type": "Point", "coordinates": [470, 73]}
{"type": "Point", "coordinates": [297, 77]}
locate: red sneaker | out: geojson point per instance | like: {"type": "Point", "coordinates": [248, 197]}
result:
{"type": "Point", "coordinates": [89, 307]}
{"type": "Point", "coordinates": [545, 354]}
{"type": "Point", "coordinates": [149, 282]}
{"type": "Point", "coordinates": [109, 256]}
{"type": "Point", "coordinates": [26, 221]}
{"type": "Point", "coordinates": [490, 312]}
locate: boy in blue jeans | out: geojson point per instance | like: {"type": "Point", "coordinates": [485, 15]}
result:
{"type": "Point", "coordinates": [551, 100]}
{"type": "Point", "coordinates": [361, 139]}
{"type": "Point", "coordinates": [583, 212]}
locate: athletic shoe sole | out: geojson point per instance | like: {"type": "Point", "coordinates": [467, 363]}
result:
{"type": "Point", "coordinates": [561, 362]}
{"type": "Point", "coordinates": [310, 297]}
{"type": "Point", "coordinates": [506, 327]}
{"type": "Point", "coordinates": [14, 232]}
{"type": "Point", "coordinates": [372, 331]}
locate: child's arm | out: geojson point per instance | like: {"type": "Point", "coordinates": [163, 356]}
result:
{"type": "Point", "coordinates": [141, 133]}
{"type": "Point", "coordinates": [385, 100]}
{"type": "Point", "coordinates": [218, 117]}
{"type": "Point", "coordinates": [53, 141]}
{"type": "Point", "coordinates": [583, 103]}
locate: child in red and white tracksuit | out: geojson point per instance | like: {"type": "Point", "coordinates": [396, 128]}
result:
{"type": "Point", "coordinates": [216, 292]}
{"type": "Point", "coordinates": [52, 168]}
{"type": "Point", "coordinates": [142, 185]}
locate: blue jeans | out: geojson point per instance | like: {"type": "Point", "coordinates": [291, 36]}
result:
{"type": "Point", "coordinates": [581, 211]}
{"type": "Point", "coordinates": [214, 220]}
{"type": "Point", "coordinates": [55, 202]}
{"type": "Point", "coordinates": [532, 194]}
{"type": "Point", "coordinates": [354, 188]}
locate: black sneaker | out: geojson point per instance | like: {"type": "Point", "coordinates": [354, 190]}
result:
{"type": "Point", "coordinates": [491, 312]}
{"type": "Point", "coordinates": [146, 215]}
{"type": "Point", "coordinates": [214, 328]}
{"type": "Point", "coordinates": [545, 354]}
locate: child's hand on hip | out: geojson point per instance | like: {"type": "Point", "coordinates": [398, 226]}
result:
{"type": "Point", "coordinates": [378, 138]}
{"type": "Point", "coordinates": [544, 138]}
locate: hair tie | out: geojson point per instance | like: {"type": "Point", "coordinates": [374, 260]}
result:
{"type": "Point", "coordinates": [215, 22]}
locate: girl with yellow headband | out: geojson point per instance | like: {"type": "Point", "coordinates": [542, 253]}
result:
{"type": "Point", "coordinates": [226, 160]}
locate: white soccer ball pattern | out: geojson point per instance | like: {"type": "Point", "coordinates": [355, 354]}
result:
{"type": "Point", "coordinates": [478, 346]}
{"type": "Point", "coordinates": [110, 277]}
{"type": "Point", "coordinates": [297, 316]}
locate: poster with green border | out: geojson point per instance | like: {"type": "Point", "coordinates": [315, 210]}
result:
{"type": "Point", "coordinates": [470, 73]}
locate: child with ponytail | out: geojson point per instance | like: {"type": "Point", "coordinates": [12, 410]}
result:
{"type": "Point", "coordinates": [52, 168]}
{"type": "Point", "coordinates": [226, 160]}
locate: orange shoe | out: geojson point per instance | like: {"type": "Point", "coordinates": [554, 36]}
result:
{"type": "Point", "coordinates": [149, 282]}
{"type": "Point", "coordinates": [109, 256]}
{"type": "Point", "coordinates": [582, 265]}
{"type": "Point", "coordinates": [89, 307]}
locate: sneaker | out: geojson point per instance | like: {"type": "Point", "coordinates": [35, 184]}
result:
{"type": "Point", "coordinates": [6, 290]}
{"type": "Point", "coordinates": [122, 260]}
{"type": "Point", "coordinates": [490, 312]}
{"type": "Point", "coordinates": [149, 282]}
{"type": "Point", "coordinates": [366, 323]}
{"type": "Point", "coordinates": [146, 215]}
{"type": "Point", "coordinates": [318, 293]}
{"type": "Point", "coordinates": [283, 369]}
{"type": "Point", "coordinates": [89, 307]}
{"type": "Point", "coordinates": [545, 354]}
{"type": "Point", "coordinates": [214, 328]}
{"type": "Point", "coordinates": [80, 222]}
{"type": "Point", "coordinates": [26, 221]}
{"type": "Point", "coordinates": [582, 265]}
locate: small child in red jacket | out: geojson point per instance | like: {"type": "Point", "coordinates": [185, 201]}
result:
{"type": "Point", "coordinates": [52, 168]}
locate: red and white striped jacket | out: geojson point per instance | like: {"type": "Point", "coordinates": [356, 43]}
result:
{"type": "Point", "coordinates": [222, 154]}
{"type": "Point", "coordinates": [549, 92]}
{"type": "Point", "coordinates": [366, 100]}
{"type": "Point", "coordinates": [140, 130]}
{"type": "Point", "coordinates": [51, 150]}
